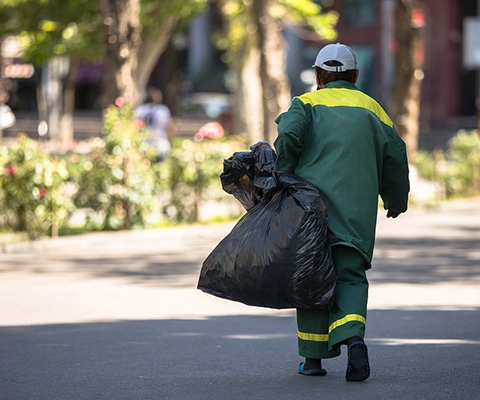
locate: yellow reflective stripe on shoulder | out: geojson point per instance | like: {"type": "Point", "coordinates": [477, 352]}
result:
{"type": "Point", "coordinates": [346, 319]}
{"type": "Point", "coordinates": [341, 97]}
{"type": "Point", "coordinates": [313, 337]}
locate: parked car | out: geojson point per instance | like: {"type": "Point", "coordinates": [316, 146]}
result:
{"type": "Point", "coordinates": [198, 109]}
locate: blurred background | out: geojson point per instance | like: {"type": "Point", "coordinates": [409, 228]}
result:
{"type": "Point", "coordinates": [66, 64]}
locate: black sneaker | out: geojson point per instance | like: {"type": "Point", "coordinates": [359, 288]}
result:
{"type": "Point", "coordinates": [358, 368]}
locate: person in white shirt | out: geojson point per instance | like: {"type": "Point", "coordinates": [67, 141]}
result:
{"type": "Point", "coordinates": [158, 120]}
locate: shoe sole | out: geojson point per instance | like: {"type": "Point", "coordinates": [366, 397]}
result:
{"type": "Point", "coordinates": [358, 368]}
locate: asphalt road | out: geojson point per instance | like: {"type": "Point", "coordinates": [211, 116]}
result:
{"type": "Point", "coordinates": [117, 316]}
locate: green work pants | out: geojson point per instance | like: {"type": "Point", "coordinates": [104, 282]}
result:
{"type": "Point", "coordinates": [321, 332]}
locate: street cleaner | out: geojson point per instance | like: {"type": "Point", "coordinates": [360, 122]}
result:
{"type": "Point", "coordinates": [343, 142]}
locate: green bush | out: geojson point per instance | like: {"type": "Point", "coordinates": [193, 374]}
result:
{"type": "Point", "coordinates": [457, 169]}
{"type": "Point", "coordinates": [117, 179]}
{"type": "Point", "coordinates": [33, 191]}
{"type": "Point", "coordinates": [426, 165]}
{"type": "Point", "coordinates": [462, 175]}
{"type": "Point", "coordinates": [190, 174]}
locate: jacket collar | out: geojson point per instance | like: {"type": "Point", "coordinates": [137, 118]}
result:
{"type": "Point", "coordinates": [341, 84]}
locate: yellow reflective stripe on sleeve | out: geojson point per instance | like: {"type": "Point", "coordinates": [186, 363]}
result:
{"type": "Point", "coordinates": [313, 337]}
{"type": "Point", "coordinates": [346, 319]}
{"type": "Point", "coordinates": [341, 97]}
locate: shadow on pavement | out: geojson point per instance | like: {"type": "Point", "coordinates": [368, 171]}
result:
{"type": "Point", "coordinates": [426, 260]}
{"type": "Point", "coordinates": [414, 355]}
{"type": "Point", "coordinates": [416, 261]}
{"type": "Point", "coordinates": [159, 270]}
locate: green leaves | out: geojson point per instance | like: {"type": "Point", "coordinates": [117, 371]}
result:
{"type": "Point", "coordinates": [306, 14]}
{"type": "Point", "coordinates": [463, 161]}
{"type": "Point", "coordinates": [457, 170]}
{"type": "Point", "coordinates": [117, 180]}
{"type": "Point", "coordinates": [190, 174]}
{"type": "Point", "coordinates": [33, 188]}
{"type": "Point", "coordinates": [52, 28]}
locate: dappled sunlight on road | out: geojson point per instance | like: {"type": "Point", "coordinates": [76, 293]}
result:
{"type": "Point", "coordinates": [424, 260]}
{"type": "Point", "coordinates": [423, 342]}
{"type": "Point", "coordinates": [237, 356]}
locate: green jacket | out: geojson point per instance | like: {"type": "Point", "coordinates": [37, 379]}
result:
{"type": "Point", "coordinates": [343, 142]}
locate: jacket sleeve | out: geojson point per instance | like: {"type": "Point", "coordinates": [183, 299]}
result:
{"type": "Point", "coordinates": [292, 126]}
{"type": "Point", "coordinates": [395, 184]}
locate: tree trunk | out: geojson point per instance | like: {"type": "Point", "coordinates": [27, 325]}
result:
{"type": "Point", "coordinates": [409, 74]}
{"type": "Point", "coordinates": [262, 90]}
{"type": "Point", "coordinates": [3, 93]}
{"type": "Point", "coordinates": [66, 119]}
{"type": "Point", "coordinates": [274, 85]}
{"type": "Point", "coordinates": [248, 94]}
{"type": "Point", "coordinates": [153, 45]}
{"type": "Point", "coordinates": [122, 28]}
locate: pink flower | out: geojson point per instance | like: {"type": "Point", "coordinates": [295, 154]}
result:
{"type": "Point", "coordinates": [139, 124]}
{"type": "Point", "coordinates": [120, 101]}
{"type": "Point", "coordinates": [10, 169]}
{"type": "Point", "coordinates": [211, 130]}
{"type": "Point", "coordinates": [42, 191]}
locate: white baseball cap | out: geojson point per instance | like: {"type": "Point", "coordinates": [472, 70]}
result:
{"type": "Point", "coordinates": [336, 52]}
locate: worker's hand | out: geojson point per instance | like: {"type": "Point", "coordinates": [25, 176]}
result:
{"type": "Point", "coordinates": [392, 214]}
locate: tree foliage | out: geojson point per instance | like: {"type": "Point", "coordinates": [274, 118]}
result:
{"type": "Point", "coordinates": [75, 28]}
{"type": "Point", "coordinates": [49, 28]}
{"type": "Point", "coordinates": [304, 13]}
{"type": "Point", "coordinates": [83, 30]}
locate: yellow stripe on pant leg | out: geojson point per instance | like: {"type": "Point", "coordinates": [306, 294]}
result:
{"type": "Point", "coordinates": [346, 319]}
{"type": "Point", "coordinates": [313, 337]}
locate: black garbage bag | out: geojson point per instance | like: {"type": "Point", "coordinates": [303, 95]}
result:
{"type": "Point", "coordinates": [277, 255]}
{"type": "Point", "coordinates": [249, 177]}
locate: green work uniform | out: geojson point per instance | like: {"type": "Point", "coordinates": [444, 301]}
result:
{"type": "Point", "coordinates": [343, 142]}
